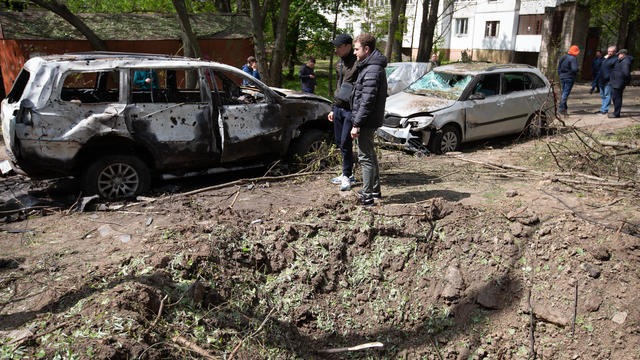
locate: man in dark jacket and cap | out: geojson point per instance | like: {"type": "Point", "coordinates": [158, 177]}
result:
{"type": "Point", "coordinates": [620, 77]}
{"type": "Point", "coordinates": [369, 98]}
{"type": "Point", "coordinates": [340, 113]}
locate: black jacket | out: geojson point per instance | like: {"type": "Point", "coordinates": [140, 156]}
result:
{"type": "Point", "coordinates": [347, 73]}
{"type": "Point", "coordinates": [605, 70]}
{"type": "Point", "coordinates": [568, 67]}
{"type": "Point", "coordinates": [306, 80]}
{"type": "Point", "coordinates": [621, 73]}
{"type": "Point", "coordinates": [370, 93]}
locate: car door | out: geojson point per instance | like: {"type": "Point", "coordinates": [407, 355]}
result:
{"type": "Point", "coordinates": [170, 112]}
{"type": "Point", "coordinates": [484, 108]}
{"type": "Point", "coordinates": [518, 102]}
{"type": "Point", "coordinates": [250, 122]}
{"type": "Point", "coordinates": [503, 110]}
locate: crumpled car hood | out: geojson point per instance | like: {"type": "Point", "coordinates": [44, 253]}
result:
{"type": "Point", "coordinates": [405, 104]}
{"type": "Point", "coordinates": [299, 94]}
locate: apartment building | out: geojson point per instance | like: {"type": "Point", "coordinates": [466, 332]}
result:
{"type": "Point", "coordinates": [535, 32]}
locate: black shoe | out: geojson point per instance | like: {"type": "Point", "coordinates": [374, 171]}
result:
{"type": "Point", "coordinates": [591, 91]}
{"type": "Point", "coordinates": [613, 116]}
{"type": "Point", "coordinates": [366, 201]}
{"type": "Point", "coordinates": [375, 195]}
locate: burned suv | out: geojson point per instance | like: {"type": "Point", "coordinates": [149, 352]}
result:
{"type": "Point", "coordinates": [116, 121]}
{"type": "Point", "coordinates": [462, 102]}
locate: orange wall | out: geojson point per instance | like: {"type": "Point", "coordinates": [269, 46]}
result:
{"type": "Point", "coordinates": [13, 53]}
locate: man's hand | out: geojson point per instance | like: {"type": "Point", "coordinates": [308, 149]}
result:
{"type": "Point", "coordinates": [330, 116]}
{"type": "Point", "coordinates": [355, 132]}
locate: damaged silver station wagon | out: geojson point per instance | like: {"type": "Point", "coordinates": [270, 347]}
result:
{"type": "Point", "coordinates": [116, 121]}
{"type": "Point", "coordinates": [463, 102]}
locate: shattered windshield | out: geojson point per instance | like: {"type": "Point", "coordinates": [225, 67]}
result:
{"type": "Point", "coordinates": [440, 84]}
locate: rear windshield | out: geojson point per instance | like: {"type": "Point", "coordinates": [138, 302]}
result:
{"type": "Point", "coordinates": [18, 86]}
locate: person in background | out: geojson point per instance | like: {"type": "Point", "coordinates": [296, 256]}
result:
{"type": "Point", "coordinates": [308, 76]}
{"type": "Point", "coordinates": [340, 113]}
{"type": "Point", "coordinates": [567, 70]}
{"type": "Point", "coordinates": [434, 60]}
{"type": "Point", "coordinates": [606, 66]}
{"type": "Point", "coordinates": [251, 68]}
{"type": "Point", "coordinates": [595, 71]}
{"type": "Point", "coordinates": [368, 103]}
{"type": "Point", "coordinates": [145, 79]}
{"type": "Point", "coordinates": [620, 78]}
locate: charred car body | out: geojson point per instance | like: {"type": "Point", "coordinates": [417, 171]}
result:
{"type": "Point", "coordinates": [117, 120]}
{"type": "Point", "coordinates": [463, 102]}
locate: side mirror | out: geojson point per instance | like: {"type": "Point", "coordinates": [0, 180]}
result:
{"type": "Point", "coordinates": [476, 96]}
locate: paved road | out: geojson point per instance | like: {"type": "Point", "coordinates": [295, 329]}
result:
{"type": "Point", "coordinates": [584, 107]}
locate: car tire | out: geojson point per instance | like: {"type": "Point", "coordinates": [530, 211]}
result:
{"type": "Point", "coordinates": [536, 125]}
{"type": "Point", "coordinates": [116, 177]}
{"type": "Point", "coordinates": [309, 141]}
{"type": "Point", "coordinates": [445, 140]}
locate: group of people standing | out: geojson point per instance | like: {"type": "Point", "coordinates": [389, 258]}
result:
{"type": "Point", "coordinates": [358, 107]}
{"type": "Point", "coordinates": [611, 74]}
{"type": "Point", "coordinates": [358, 110]}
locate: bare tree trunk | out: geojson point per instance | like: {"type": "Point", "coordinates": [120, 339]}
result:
{"type": "Point", "coordinates": [258, 16]}
{"type": "Point", "coordinates": [427, 29]}
{"type": "Point", "coordinates": [431, 27]}
{"type": "Point", "coordinates": [191, 47]}
{"type": "Point", "coordinates": [64, 12]}
{"type": "Point", "coordinates": [279, 44]}
{"type": "Point", "coordinates": [623, 25]}
{"type": "Point", "coordinates": [189, 40]}
{"type": "Point", "coordinates": [423, 52]}
{"type": "Point", "coordinates": [402, 28]}
{"type": "Point", "coordinates": [396, 5]}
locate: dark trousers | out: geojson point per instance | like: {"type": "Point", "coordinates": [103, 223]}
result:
{"type": "Point", "coordinates": [616, 97]}
{"type": "Point", "coordinates": [369, 162]}
{"type": "Point", "coordinates": [342, 131]}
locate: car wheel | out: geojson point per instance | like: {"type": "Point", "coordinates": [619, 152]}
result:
{"type": "Point", "coordinates": [311, 140]}
{"type": "Point", "coordinates": [116, 177]}
{"type": "Point", "coordinates": [446, 140]}
{"type": "Point", "coordinates": [536, 125]}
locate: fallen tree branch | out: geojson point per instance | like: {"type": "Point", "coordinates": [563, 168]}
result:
{"type": "Point", "coordinates": [352, 348]}
{"type": "Point", "coordinates": [192, 347]}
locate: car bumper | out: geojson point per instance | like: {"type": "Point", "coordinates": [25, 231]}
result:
{"type": "Point", "coordinates": [404, 138]}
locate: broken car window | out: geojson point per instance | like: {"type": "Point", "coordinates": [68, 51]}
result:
{"type": "Point", "coordinates": [228, 89]}
{"type": "Point", "coordinates": [165, 86]}
{"type": "Point", "coordinates": [91, 87]}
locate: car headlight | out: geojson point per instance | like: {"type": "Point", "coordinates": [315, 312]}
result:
{"type": "Point", "coordinates": [420, 122]}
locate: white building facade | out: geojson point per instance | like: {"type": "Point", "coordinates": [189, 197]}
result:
{"type": "Point", "coordinates": [487, 30]}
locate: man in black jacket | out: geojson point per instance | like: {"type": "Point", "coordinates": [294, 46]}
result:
{"type": "Point", "coordinates": [620, 77]}
{"type": "Point", "coordinates": [369, 99]}
{"type": "Point", "coordinates": [340, 113]}
{"type": "Point", "coordinates": [308, 76]}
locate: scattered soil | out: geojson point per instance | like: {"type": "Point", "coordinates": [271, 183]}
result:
{"type": "Point", "coordinates": [491, 253]}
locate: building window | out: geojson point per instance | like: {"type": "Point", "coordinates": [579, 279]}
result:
{"type": "Point", "coordinates": [530, 24]}
{"type": "Point", "coordinates": [462, 26]}
{"type": "Point", "coordinates": [491, 30]}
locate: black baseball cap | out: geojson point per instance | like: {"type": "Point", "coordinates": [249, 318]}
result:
{"type": "Point", "coordinates": [623, 51]}
{"type": "Point", "coordinates": [342, 39]}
